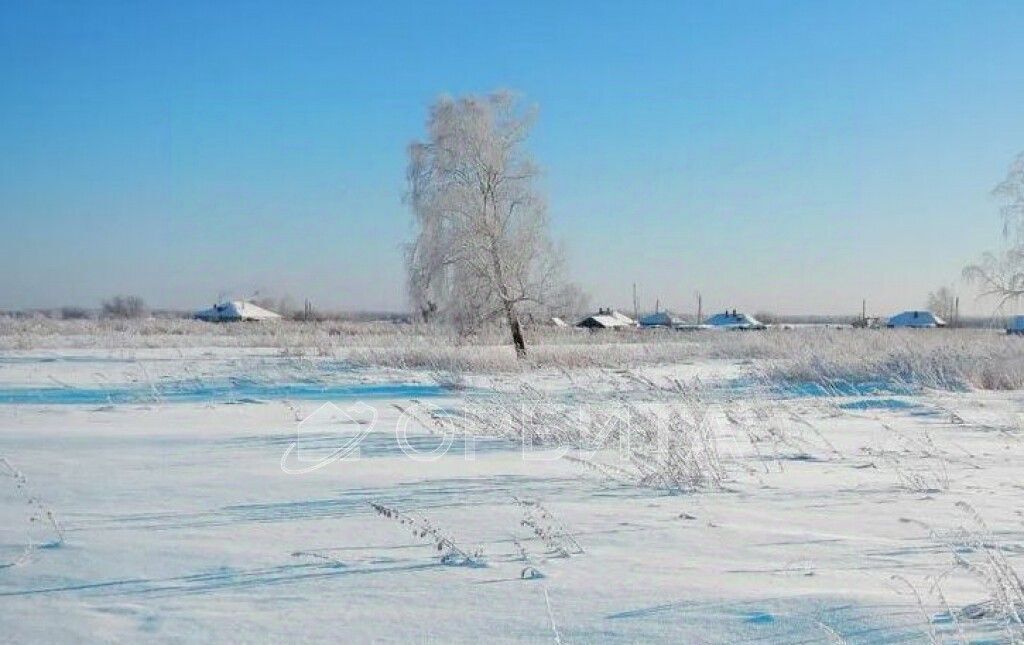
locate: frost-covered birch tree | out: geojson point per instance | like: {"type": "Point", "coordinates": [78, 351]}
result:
{"type": "Point", "coordinates": [942, 302]}
{"type": "Point", "coordinates": [482, 249]}
{"type": "Point", "coordinates": [1002, 274]}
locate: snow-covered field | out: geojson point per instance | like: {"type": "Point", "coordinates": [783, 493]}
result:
{"type": "Point", "coordinates": [188, 488]}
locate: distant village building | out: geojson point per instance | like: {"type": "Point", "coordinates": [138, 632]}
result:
{"type": "Point", "coordinates": [867, 322]}
{"type": "Point", "coordinates": [558, 322]}
{"type": "Point", "coordinates": [1016, 326]}
{"type": "Point", "coordinates": [236, 311]}
{"type": "Point", "coordinates": [621, 317]}
{"type": "Point", "coordinates": [661, 319]}
{"type": "Point", "coordinates": [734, 320]}
{"type": "Point", "coordinates": [607, 319]}
{"type": "Point", "coordinates": [916, 320]}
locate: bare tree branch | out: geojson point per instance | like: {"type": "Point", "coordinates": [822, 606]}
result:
{"type": "Point", "coordinates": [1001, 275]}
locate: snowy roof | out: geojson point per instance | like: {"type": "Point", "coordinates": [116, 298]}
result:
{"type": "Point", "coordinates": [660, 319]}
{"type": "Point", "coordinates": [916, 318]}
{"type": "Point", "coordinates": [621, 317]}
{"type": "Point", "coordinates": [733, 320]}
{"type": "Point", "coordinates": [607, 318]}
{"type": "Point", "coordinates": [235, 310]}
{"type": "Point", "coordinates": [558, 322]}
{"type": "Point", "coordinates": [605, 321]}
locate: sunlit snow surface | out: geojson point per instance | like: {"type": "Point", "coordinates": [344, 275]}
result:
{"type": "Point", "coordinates": [233, 390]}
{"type": "Point", "coordinates": [181, 526]}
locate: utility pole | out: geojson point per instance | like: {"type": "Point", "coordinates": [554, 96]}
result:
{"type": "Point", "coordinates": [864, 311]}
{"type": "Point", "coordinates": [956, 312]}
{"type": "Point", "coordinates": [636, 310]}
{"type": "Point", "coordinates": [700, 313]}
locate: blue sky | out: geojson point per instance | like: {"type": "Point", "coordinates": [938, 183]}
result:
{"type": "Point", "coordinates": [785, 156]}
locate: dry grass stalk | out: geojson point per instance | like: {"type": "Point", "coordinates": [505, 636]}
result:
{"type": "Point", "coordinates": [424, 529]}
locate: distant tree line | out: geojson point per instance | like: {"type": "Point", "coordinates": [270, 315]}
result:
{"type": "Point", "coordinates": [124, 307]}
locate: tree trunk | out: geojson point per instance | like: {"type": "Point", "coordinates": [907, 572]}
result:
{"type": "Point", "coordinates": [517, 331]}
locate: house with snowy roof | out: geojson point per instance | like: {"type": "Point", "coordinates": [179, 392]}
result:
{"type": "Point", "coordinates": [733, 320]}
{"type": "Point", "coordinates": [236, 311]}
{"type": "Point", "coordinates": [915, 319]}
{"type": "Point", "coordinates": [607, 319]}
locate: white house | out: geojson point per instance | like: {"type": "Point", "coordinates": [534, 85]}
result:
{"type": "Point", "coordinates": [733, 320]}
{"type": "Point", "coordinates": [1016, 326]}
{"type": "Point", "coordinates": [607, 319]}
{"type": "Point", "coordinates": [916, 320]}
{"type": "Point", "coordinates": [235, 311]}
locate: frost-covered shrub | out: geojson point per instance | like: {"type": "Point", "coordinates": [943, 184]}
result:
{"type": "Point", "coordinates": [124, 307]}
{"type": "Point", "coordinates": [976, 551]}
{"type": "Point", "coordinates": [936, 359]}
{"type": "Point", "coordinates": [38, 514]}
{"type": "Point", "coordinates": [659, 436]}
{"type": "Point", "coordinates": [942, 359]}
